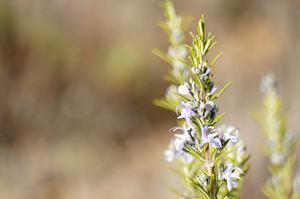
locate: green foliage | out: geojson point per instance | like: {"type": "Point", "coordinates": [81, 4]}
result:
{"type": "Point", "coordinates": [212, 160]}
{"type": "Point", "coordinates": [280, 146]}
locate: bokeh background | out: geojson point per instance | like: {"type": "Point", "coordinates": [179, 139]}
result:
{"type": "Point", "coordinates": [77, 80]}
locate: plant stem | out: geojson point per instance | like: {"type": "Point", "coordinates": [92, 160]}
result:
{"type": "Point", "coordinates": [210, 172]}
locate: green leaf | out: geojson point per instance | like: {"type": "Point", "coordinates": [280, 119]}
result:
{"type": "Point", "coordinates": [221, 91]}
{"type": "Point", "coordinates": [195, 184]}
{"type": "Point", "coordinates": [162, 55]}
{"type": "Point", "coordinates": [183, 98]}
{"type": "Point", "coordinates": [166, 104]}
{"type": "Point", "coordinates": [173, 80]}
{"type": "Point", "coordinates": [216, 58]}
{"type": "Point", "coordinates": [218, 118]}
{"type": "Point", "coordinates": [194, 153]}
{"type": "Point", "coordinates": [201, 27]}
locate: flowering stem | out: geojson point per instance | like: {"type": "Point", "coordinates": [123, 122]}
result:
{"type": "Point", "coordinates": [208, 155]}
{"type": "Point", "coordinates": [280, 145]}
{"type": "Point", "coordinates": [211, 174]}
{"type": "Point", "coordinates": [213, 190]}
{"type": "Point", "coordinates": [208, 164]}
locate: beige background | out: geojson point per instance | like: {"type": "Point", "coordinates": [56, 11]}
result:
{"type": "Point", "coordinates": [77, 80]}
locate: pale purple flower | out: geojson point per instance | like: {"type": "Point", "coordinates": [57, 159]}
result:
{"type": "Point", "coordinates": [207, 108]}
{"type": "Point", "coordinates": [231, 175]}
{"type": "Point", "coordinates": [206, 73]}
{"type": "Point", "coordinates": [212, 89]}
{"type": "Point", "coordinates": [186, 110]}
{"type": "Point", "coordinates": [171, 154]}
{"type": "Point", "coordinates": [232, 134]}
{"type": "Point", "coordinates": [229, 133]}
{"type": "Point", "coordinates": [211, 137]}
{"type": "Point", "coordinates": [186, 137]}
{"type": "Point", "coordinates": [180, 142]}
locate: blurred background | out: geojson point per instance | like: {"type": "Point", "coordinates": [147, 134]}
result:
{"type": "Point", "coordinates": [77, 80]}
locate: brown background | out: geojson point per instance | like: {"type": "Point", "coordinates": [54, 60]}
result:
{"type": "Point", "coordinates": [77, 80]}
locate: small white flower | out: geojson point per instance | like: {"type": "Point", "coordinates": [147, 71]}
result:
{"type": "Point", "coordinates": [268, 83]}
{"type": "Point", "coordinates": [171, 154]}
{"type": "Point", "coordinates": [184, 89]}
{"type": "Point", "coordinates": [179, 52]}
{"type": "Point", "coordinates": [212, 90]}
{"type": "Point", "coordinates": [277, 158]}
{"type": "Point", "coordinates": [179, 142]}
{"type": "Point", "coordinates": [186, 111]}
{"type": "Point", "coordinates": [178, 66]}
{"type": "Point", "coordinates": [229, 133]}
{"type": "Point", "coordinates": [232, 134]}
{"type": "Point", "coordinates": [206, 73]}
{"type": "Point", "coordinates": [177, 55]}
{"type": "Point", "coordinates": [196, 70]}
{"type": "Point", "coordinates": [240, 152]}
{"type": "Point", "coordinates": [207, 108]}
{"type": "Point", "coordinates": [202, 179]}
{"type": "Point", "coordinates": [170, 92]}
{"type": "Point", "coordinates": [231, 175]}
{"type": "Point", "coordinates": [177, 34]}
{"type": "Point", "coordinates": [210, 137]}
{"type": "Point", "coordinates": [186, 137]}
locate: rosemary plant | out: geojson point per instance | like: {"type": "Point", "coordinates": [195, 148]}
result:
{"type": "Point", "coordinates": [280, 146]}
{"type": "Point", "coordinates": [175, 27]}
{"type": "Point", "coordinates": [211, 158]}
